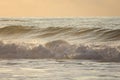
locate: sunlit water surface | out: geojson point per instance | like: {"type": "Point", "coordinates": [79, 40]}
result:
{"type": "Point", "coordinates": [51, 69]}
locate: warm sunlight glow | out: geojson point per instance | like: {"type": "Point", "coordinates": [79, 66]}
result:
{"type": "Point", "coordinates": [59, 8]}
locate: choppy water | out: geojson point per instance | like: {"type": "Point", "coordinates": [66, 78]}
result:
{"type": "Point", "coordinates": [61, 38]}
{"type": "Point", "coordinates": [73, 29]}
{"type": "Point", "coordinates": [58, 70]}
{"type": "Point", "coordinates": [60, 48]}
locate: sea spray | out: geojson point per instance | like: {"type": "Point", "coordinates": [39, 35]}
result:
{"type": "Point", "coordinates": [61, 49]}
{"type": "Point", "coordinates": [60, 38]}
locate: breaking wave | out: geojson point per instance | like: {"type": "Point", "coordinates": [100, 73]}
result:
{"type": "Point", "coordinates": [60, 49]}
{"type": "Point", "coordinates": [63, 38]}
{"type": "Point", "coordinates": [92, 39]}
{"type": "Point", "coordinates": [77, 33]}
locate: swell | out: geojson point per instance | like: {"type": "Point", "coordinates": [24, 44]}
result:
{"type": "Point", "coordinates": [60, 49]}
{"type": "Point", "coordinates": [99, 34]}
{"type": "Point", "coordinates": [13, 30]}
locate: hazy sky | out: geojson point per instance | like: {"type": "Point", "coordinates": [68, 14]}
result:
{"type": "Point", "coordinates": [59, 8]}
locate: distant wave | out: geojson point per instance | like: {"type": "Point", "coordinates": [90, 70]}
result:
{"type": "Point", "coordinates": [12, 30]}
{"type": "Point", "coordinates": [60, 49]}
{"type": "Point", "coordinates": [62, 32]}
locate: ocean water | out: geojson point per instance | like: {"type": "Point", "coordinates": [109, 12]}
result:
{"type": "Point", "coordinates": [43, 69]}
{"type": "Point", "coordinates": [60, 48]}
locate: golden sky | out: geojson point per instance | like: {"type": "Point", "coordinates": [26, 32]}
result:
{"type": "Point", "coordinates": [59, 8]}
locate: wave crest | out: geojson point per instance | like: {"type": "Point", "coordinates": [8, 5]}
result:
{"type": "Point", "coordinates": [13, 30]}
{"type": "Point", "coordinates": [61, 49]}
{"type": "Point", "coordinates": [76, 33]}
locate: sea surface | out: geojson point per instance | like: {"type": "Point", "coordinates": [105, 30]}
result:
{"type": "Point", "coordinates": [43, 69]}
{"type": "Point", "coordinates": [60, 48]}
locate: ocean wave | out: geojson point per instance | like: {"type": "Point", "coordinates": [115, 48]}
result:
{"type": "Point", "coordinates": [60, 49]}
{"type": "Point", "coordinates": [13, 30]}
{"type": "Point", "coordinates": [77, 33]}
